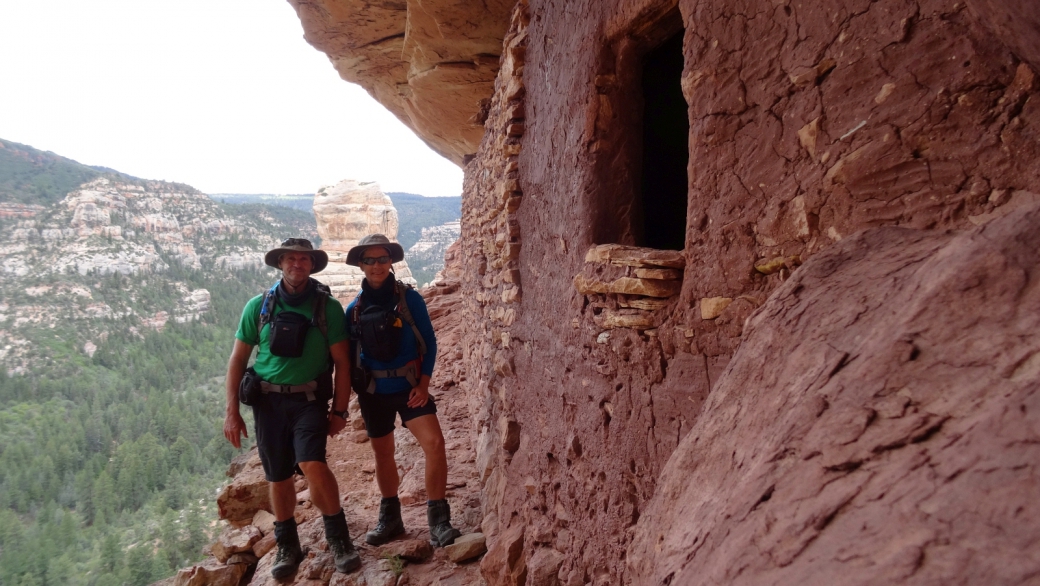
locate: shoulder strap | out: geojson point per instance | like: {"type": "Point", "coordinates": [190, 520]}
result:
{"type": "Point", "coordinates": [406, 315]}
{"type": "Point", "coordinates": [266, 308]}
{"type": "Point", "coordinates": [321, 295]}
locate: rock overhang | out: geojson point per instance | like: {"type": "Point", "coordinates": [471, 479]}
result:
{"type": "Point", "coordinates": [432, 63]}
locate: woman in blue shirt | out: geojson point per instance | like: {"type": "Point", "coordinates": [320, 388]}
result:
{"type": "Point", "coordinates": [401, 387]}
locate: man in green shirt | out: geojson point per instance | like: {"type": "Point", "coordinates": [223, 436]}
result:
{"type": "Point", "coordinates": [292, 413]}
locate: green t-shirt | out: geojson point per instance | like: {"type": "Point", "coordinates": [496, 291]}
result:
{"type": "Point", "coordinates": [292, 371]}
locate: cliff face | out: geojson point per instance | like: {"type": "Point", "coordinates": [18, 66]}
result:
{"type": "Point", "coordinates": [590, 358]}
{"type": "Point", "coordinates": [63, 261]}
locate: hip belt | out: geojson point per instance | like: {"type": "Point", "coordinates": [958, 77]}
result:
{"type": "Point", "coordinates": [308, 388]}
{"type": "Point", "coordinates": [410, 371]}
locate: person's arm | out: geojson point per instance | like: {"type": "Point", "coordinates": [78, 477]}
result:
{"type": "Point", "coordinates": [234, 425]}
{"type": "Point", "coordinates": [421, 315]}
{"type": "Point", "coordinates": [340, 352]}
{"type": "Point", "coordinates": [420, 394]}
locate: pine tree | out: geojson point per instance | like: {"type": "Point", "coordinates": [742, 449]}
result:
{"type": "Point", "coordinates": [105, 499]}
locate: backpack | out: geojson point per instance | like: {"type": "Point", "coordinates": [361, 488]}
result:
{"type": "Point", "coordinates": [267, 315]}
{"type": "Point", "coordinates": [321, 295]}
{"type": "Point", "coordinates": [379, 330]}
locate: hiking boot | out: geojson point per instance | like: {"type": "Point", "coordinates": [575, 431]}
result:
{"type": "Point", "coordinates": [290, 554]}
{"type": "Point", "coordinates": [390, 524]}
{"type": "Point", "coordinates": [438, 514]}
{"type": "Point", "coordinates": [338, 537]}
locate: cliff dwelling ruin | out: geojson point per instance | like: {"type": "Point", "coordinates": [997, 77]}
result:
{"type": "Point", "coordinates": [748, 291]}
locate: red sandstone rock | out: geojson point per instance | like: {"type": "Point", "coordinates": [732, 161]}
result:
{"type": "Point", "coordinates": [894, 436]}
{"type": "Point", "coordinates": [1015, 23]}
{"type": "Point", "coordinates": [466, 547]}
{"type": "Point", "coordinates": [807, 124]}
{"type": "Point", "coordinates": [232, 541]}
{"type": "Point", "coordinates": [210, 573]}
{"type": "Point", "coordinates": [412, 550]}
{"type": "Point", "coordinates": [428, 62]}
{"type": "Point", "coordinates": [246, 494]}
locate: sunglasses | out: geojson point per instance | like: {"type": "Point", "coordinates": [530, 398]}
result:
{"type": "Point", "coordinates": [371, 260]}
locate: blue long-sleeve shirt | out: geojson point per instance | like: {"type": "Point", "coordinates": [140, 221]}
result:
{"type": "Point", "coordinates": [409, 349]}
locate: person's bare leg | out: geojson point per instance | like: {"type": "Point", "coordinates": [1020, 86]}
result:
{"type": "Point", "coordinates": [325, 496]}
{"type": "Point", "coordinates": [323, 485]}
{"type": "Point", "coordinates": [386, 465]}
{"type": "Point", "coordinates": [389, 524]}
{"type": "Point", "coordinates": [427, 430]}
{"type": "Point", "coordinates": [283, 498]}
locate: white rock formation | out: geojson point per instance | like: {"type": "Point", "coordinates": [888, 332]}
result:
{"type": "Point", "coordinates": [345, 213]}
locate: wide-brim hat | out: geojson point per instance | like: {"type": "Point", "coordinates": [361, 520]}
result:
{"type": "Point", "coordinates": [395, 250]}
{"type": "Point", "coordinates": [319, 258]}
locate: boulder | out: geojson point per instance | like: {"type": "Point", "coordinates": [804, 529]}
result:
{"type": "Point", "coordinates": [264, 521]}
{"type": "Point", "coordinates": [466, 547]}
{"type": "Point", "coordinates": [416, 551]}
{"type": "Point", "coordinates": [232, 541]}
{"type": "Point", "coordinates": [879, 423]}
{"type": "Point", "coordinates": [210, 573]}
{"type": "Point", "coordinates": [246, 494]}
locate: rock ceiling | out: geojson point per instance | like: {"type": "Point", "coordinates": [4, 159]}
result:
{"type": "Point", "coordinates": [430, 62]}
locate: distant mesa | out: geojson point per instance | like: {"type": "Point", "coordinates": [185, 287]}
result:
{"type": "Point", "coordinates": [346, 212]}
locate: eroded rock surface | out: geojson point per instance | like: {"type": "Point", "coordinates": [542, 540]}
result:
{"type": "Point", "coordinates": [879, 423]}
{"type": "Point", "coordinates": [430, 62]}
{"type": "Point", "coordinates": [346, 212]}
{"type": "Point", "coordinates": [807, 124]}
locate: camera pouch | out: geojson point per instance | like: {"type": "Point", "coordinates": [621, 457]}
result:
{"type": "Point", "coordinates": [287, 334]}
{"type": "Point", "coordinates": [249, 391]}
{"type": "Point", "coordinates": [380, 331]}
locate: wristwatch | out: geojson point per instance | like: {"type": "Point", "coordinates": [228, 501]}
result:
{"type": "Point", "coordinates": [341, 414]}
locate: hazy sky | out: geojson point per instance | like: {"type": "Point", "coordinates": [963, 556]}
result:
{"type": "Point", "coordinates": [224, 95]}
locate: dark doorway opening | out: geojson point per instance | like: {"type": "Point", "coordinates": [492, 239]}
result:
{"type": "Point", "coordinates": [666, 152]}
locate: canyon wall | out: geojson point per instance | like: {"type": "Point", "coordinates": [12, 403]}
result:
{"type": "Point", "coordinates": [589, 358]}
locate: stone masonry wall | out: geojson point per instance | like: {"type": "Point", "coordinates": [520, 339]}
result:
{"type": "Point", "coordinates": [808, 124]}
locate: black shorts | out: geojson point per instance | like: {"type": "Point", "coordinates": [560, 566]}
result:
{"type": "Point", "coordinates": [289, 429]}
{"type": "Point", "coordinates": [380, 411]}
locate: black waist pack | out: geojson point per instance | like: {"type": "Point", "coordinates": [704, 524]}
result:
{"type": "Point", "coordinates": [380, 330]}
{"type": "Point", "coordinates": [287, 334]}
{"type": "Point", "coordinates": [249, 391]}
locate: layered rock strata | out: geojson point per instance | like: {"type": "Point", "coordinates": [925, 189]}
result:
{"type": "Point", "coordinates": [346, 212]}
{"type": "Point", "coordinates": [430, 62]}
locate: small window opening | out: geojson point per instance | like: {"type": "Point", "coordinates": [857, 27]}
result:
{"type": "Point", "coordinates": [666, 131]}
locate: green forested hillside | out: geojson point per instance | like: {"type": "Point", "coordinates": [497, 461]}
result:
{"type": "Point", "coordinates": [109, 465]}
{"type": "Point", "coordinates": [31, 176]}
{"type": "Point", "coordinates": [117, 315]}
{"type": "Point", "coordinates": [302, 202]}
{"type": "Point", "coordinates": [415, 212]}
{"type": "Point", "coordinates": [118, 307]}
